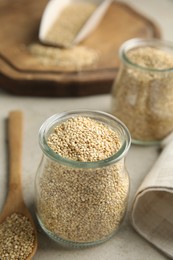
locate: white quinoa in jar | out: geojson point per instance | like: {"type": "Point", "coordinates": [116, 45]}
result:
{"type": "Point", "coordinates": [142, 94]}
{"type": "Point", "coordinates": [82, 199]}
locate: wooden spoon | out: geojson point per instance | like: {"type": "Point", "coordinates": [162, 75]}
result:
{"type": "Point", "coordinates": [14, 202]}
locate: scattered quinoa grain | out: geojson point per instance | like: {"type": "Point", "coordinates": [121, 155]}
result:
{"type": "Point", "coordinates": [75, 58]}
{"type": "Point", "coordinates": [16, 237]}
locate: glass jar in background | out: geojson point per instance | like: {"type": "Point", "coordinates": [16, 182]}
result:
{"type": "Point", "coordinates": [81, 203]}
{"type": "Point", "coordinates": [142, 94]}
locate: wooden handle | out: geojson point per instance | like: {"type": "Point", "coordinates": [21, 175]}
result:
{"type": "Point", "coordinates": [15, 131]}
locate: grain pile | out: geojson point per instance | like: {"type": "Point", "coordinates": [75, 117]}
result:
{"type": "Point", "coordinates": [79, 204]}
{"type": "Point", "coordinates": [76, 58]}
{"type": "Point", "coordinates": [16, 238]}
{"type": "Point", "coordinates": [84, 139]}
{"type": "Point", "coordinates": [151, 58]}
{"type": "Point", "coordinates": [69, 23]}
{"type": "Point", "coordinates": [143, 94]}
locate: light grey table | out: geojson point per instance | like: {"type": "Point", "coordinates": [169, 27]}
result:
{"type": "Point", "coordinates": [126, 244]}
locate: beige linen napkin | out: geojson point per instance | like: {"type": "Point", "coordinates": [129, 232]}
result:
{"type": "Point", "coordinates": [152, 211]}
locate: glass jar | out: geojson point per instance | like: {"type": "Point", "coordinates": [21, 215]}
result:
{"type": "Point", "coordinates": [81, 203]}
{"type": "Point", "coordinates": [142, 94]}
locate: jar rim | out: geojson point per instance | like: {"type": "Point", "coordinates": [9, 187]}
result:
{"type": "Point", "coordinates": [51, 121]}
{"type": "Point", "coordinates": [139, 42]}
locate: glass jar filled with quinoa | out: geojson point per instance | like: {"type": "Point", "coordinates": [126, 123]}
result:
{"type": "Point", "coordinates": [82, 184]}
{"type": "Point", "coordinates": [142, 94]}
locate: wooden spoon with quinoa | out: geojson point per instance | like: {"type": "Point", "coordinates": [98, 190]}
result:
{"type": "Point", "coordinates": [18, 235]}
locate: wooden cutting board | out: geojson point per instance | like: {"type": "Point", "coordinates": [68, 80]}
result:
{"type": "Point", "coordinates": [23, 73]}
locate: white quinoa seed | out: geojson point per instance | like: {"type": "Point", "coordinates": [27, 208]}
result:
{"type": "Point", "coordinates": [84, 139]}
{"type": "Point", "coordinates": [83, 205]}
{"type": "Point", "coordinates": [148, 57]}
{"type": "Point", "coordinates": [69, 23]}
{"type": "Point", "coordinates": [16, 237]}
{"type": "Point", "coordinates": [75, 58]}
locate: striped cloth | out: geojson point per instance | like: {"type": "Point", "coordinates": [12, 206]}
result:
{"type": "Point", "coordinates": [152, 210]}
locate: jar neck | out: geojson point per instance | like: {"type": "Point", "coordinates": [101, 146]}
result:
{"type": "Point", "coordinates": [138, 43]}
{"type": "Point", "coordinates": [105, 118]}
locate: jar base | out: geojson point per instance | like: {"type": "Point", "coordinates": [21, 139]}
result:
{"type": "Point", "coordinates": [70, 244]}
